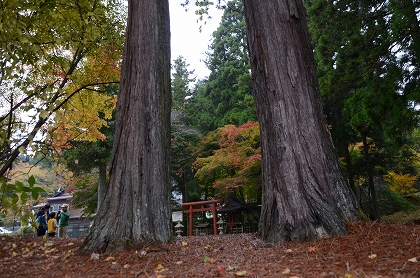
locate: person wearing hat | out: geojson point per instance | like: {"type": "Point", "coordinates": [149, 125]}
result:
{"type": "Point", "coordinates": [63, 223]}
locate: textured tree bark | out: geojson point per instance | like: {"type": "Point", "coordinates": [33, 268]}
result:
{"type": "Point", "coordinates": [305, 193]}
{"type": "Point", "coordinates": [136, 206]}
{"type": "Point", "coordinates": [101, 183]}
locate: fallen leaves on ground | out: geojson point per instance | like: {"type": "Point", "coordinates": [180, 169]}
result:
{"type": "Point", "coordinates": [370, 250]}
{"type": "Point", "coordinates": [312, 249]}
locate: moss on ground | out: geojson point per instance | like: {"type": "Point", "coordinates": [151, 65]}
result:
{"type": "Point", "coordinates": [402, 217]}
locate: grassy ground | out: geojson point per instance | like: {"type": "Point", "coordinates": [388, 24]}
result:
{"type": "Point", "coordinates": [402, 217]}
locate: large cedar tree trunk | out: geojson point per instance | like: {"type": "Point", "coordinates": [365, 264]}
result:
{"type": "Point", "coordinates": [101, 183]}
{"type": "Point", "coordinates": [305, 193]}
{"type": "Point", "coordinates": [136, 206]}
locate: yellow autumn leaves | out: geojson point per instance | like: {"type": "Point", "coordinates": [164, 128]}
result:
{"type": "Point", "coordinates": [47, 249]}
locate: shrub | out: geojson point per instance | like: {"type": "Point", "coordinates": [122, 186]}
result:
{"type": "Point", "coordinates": [400, 183]}
{"type": "Point", "coordinates": [26, 230]}
{"type": "Point", "coordinates": [391, 202]}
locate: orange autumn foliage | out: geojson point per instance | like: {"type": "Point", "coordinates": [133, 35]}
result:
{"type": "Point", "coordinates": [234, 168]}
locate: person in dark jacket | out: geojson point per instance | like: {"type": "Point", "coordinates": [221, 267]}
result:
{"type": "Point", "coordinates": [42, 219]}
{"type": "Point", "coordinates": [43, 225]}
{"type": "Point", "coordinates": [44, 210]}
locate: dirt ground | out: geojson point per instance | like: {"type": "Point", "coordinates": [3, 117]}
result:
{"type": "Point", "coordinates": [370, 250]}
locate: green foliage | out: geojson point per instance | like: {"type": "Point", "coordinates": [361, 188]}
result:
{"type": "Point", "coordinates": [85, 193]}
{"type": "Point", "coordinates": [202, 8]}
{"type": "Point", "coordinates": [402, 217]}
{"type": "Point", "coordinates": [46, 179]}
{"type": "Point", "coordinates": [183, 136]}
{"type": "Point", "coordinates": [225, 97]}
{"type": "Point", "coordinates": [405, 32]}
{"type": "Point", "coordinates": [180, 83]}
{"type": "Point", "coordinates": [83, 156]}
{"type": "Point", "coordinates": [50, 52]}
{"type": "Point", "coordinates": [18, 192]}
{"type": "Point", "coordinates": [183, 139]}
{"type": "Point", "coordinates": [83, 159]}
{"type": "Point", "coordinates": [199, 109]}
{"type": "Point", "coordinates": [17, 197]}
{"type": "Point", "coordinates": [352, 42]}
{"type": "Point", "coordinates": [391, 202]}
{"type": "Point", "coordinates": [26, 230]}
{"type": "Point", "coordinates": [366, 76]}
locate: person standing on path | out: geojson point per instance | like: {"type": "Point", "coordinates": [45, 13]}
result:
{"type": "Point", "coordinates": [41, 219]}
{"type": "Point", "coordinates": [63, 223]}
{"type": "Point", "coordinates": [43, 226]}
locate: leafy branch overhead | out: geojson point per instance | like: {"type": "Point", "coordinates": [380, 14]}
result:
{"type": "Point", "coordinates": [18, 191]}
{"type": "Point", "coordinates": [57, 61]}
{"type": "Point", "coordinates": [17, 196]}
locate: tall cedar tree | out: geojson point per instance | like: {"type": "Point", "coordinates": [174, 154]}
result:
{"type": "Point", "coordinates": [182, 135]}
{"type": "Point", "coordinates": [305, 192]}
{"type": "Point", "coordinates": [180, 83]}
{"type": "Point", "coordinates": [405, 26]}
{"type": "Point", "coordinates": [334, 60]}
{"type": "Point", "coordinates": [226, 97]}
{"type": "Point", "coordinates": [136, 206]}
{"type": "Point", "coordinates": [361, 83]}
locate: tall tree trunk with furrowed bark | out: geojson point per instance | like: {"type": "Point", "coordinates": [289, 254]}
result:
{"type": "Point", "coordinates": [305, 193]}
{"type": "Point", "coordinates": [101, 183]}
{"type": "Point", "coordinates": [136, 205]}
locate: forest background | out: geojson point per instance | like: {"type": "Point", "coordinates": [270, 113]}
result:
{"type": "Point", "coordinates": [59, 86]}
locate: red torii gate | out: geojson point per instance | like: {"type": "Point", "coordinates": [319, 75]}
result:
{"type": "Point", "coordinates": [191, 210]}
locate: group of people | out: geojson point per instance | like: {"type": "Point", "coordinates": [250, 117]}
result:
{"type": "Point", "coordinates": [49, 223]}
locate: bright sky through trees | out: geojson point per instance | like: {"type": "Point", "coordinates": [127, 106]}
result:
{"type": "Point", "coordinates": [186, 39]}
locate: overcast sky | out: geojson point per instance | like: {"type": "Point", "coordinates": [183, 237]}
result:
{"type": "Point", "coordinates": [186, 39]}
